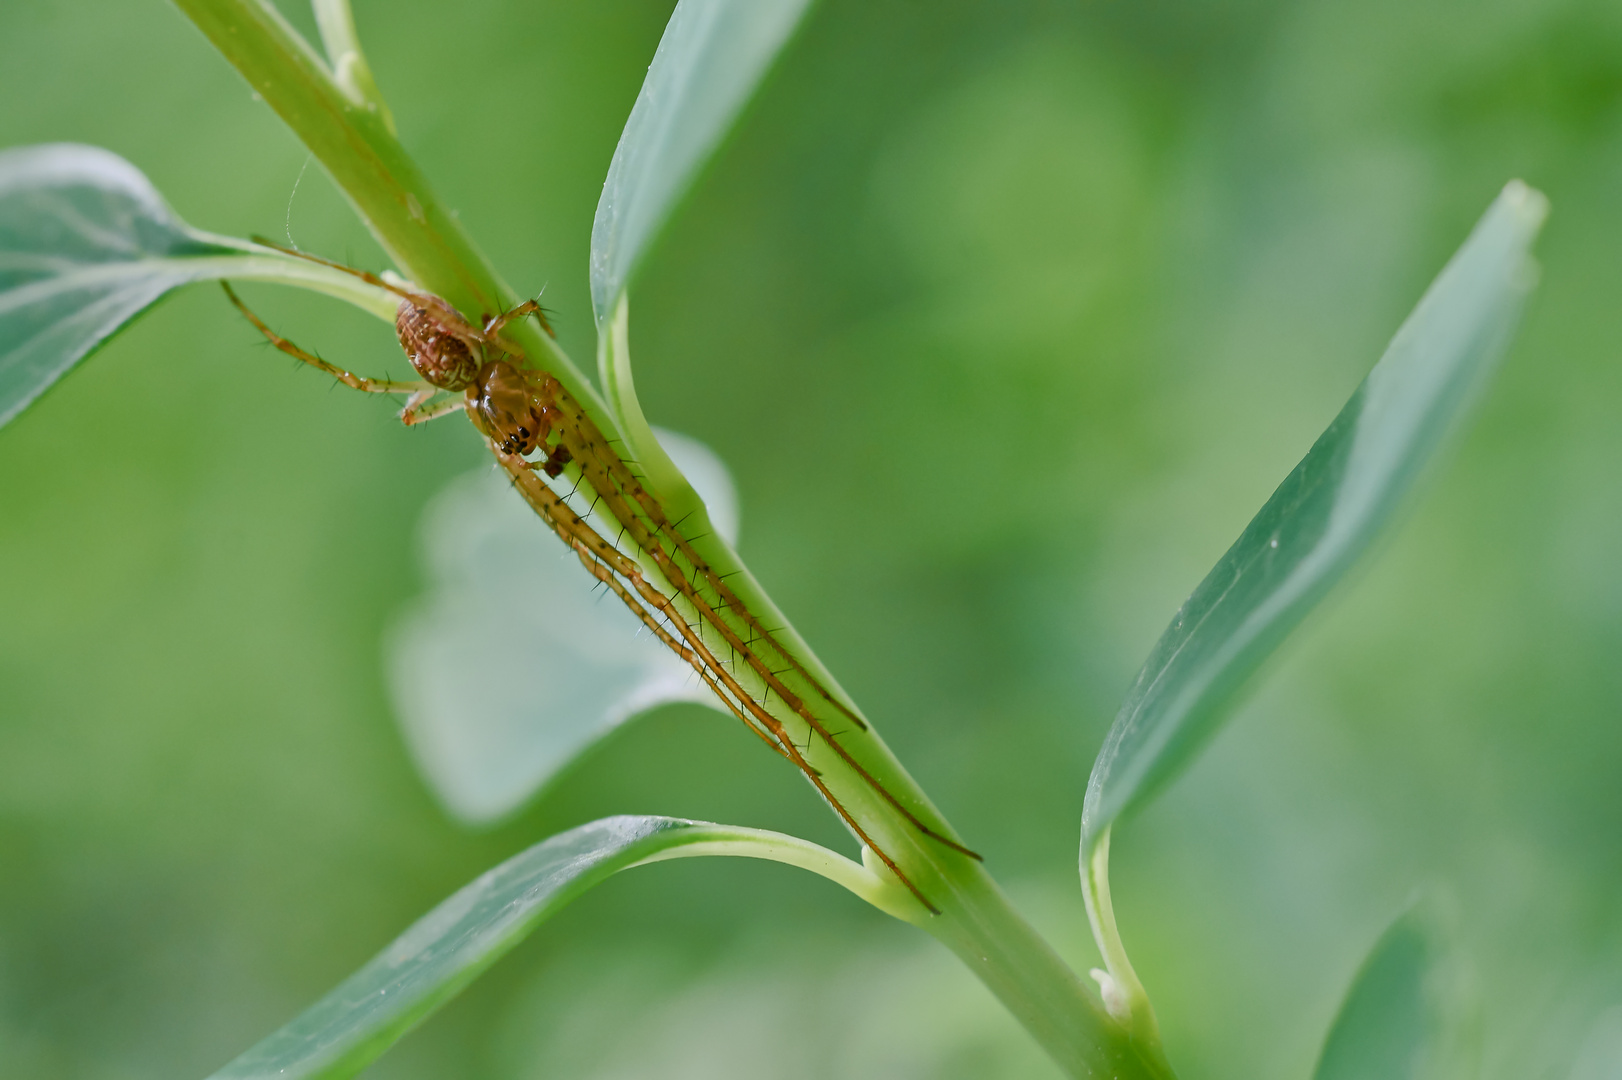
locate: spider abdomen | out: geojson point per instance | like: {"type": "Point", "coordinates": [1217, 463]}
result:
{"type": "Point", "coordinates": [440, 356]}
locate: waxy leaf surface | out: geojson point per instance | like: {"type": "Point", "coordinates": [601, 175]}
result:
{"type": "Point", "coordinates": [708, 63]}
{"type": "Point", "coordinates": [1324, 515]}
{"type": "Point", "coordinates": [87, 244]}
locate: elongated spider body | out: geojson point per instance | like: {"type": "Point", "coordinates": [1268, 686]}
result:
{"type": "Point", "coordinates": [503, 401]}
{"type": "Point", "coordinates": [521, 411]}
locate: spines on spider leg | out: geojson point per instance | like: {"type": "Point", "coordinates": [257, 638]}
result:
{"type": "Point", "coordinates": [424, 411]}
{"type": "Point", "coordinates": [589, 455]}
{"type": "Point", "coordinates": [587, 542]}
{"type": "Point", "coordinates": [564, 520]}
{"type": "Point", "coordinates": [608, 566]}
{"type": "Point", "coordinates": [610, 477]}
{"type": "Point", "coordinates": [650, 506]}
{"type": "Point", "coordinates": [348, 378]}
{"type": "Point", "coordinates": [602, 573]}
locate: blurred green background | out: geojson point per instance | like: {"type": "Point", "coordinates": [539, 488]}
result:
{"type": "Point", "coordinates": [1047, 297]}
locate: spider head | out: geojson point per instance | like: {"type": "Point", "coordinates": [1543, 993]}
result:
{"type": "Point", "coordinates": [507, 407]}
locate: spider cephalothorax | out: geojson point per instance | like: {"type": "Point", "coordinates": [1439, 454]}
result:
{"type": "Point", "coordinates": [509, 407]}
{"type": "Point", "coordinates": [523, 411]}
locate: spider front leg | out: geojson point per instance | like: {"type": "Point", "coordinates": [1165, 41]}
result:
{"type": "Point", "coordinates": [492, 327]}
{"type": "Point", "coordinates": [421, 408]}
{"type": "Point", "coordinates": [349, 379]}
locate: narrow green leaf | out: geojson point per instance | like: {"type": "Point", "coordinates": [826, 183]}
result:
{"type": "Point", "coordinates": [709, 61]}
{"type": "Point", "coordinates": [1324, 515]}
{"type": "Point", "coordinates": [451, 945]}
{"type": "Point", "coordinates": [87, 244]}
{"type": "Point", "coordinates": [1393, 1024]}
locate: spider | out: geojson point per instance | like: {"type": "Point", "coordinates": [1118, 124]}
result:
{"type": "Point", "coordinates": [514, 408]}
{"type": "Point", "coordinates": [520, 411]}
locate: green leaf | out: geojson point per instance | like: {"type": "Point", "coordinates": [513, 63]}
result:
{"type": "Point", "coordinates": [490, 720]}
{"type": "Point", "coordinates": [87, 244]}
{"type": "Point", "coordinates": [451, 945]}
{"type": "Point", "coordinates": [1325, 514]}
{"type": "Point", "coordinates": [712, 56]}
{"type": "Point", "coordinates": [1394, 1023]}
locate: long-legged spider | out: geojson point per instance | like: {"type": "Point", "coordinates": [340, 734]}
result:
{"type": "Point", "coordinates": [520, 411]}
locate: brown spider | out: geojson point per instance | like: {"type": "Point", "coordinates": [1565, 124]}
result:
{"type": "Point", "coordinates": [514, 408]}
{"type": "Point", "coordinates": [520, 411]}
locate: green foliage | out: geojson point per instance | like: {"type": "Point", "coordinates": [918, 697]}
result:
{"type": "Point", "coordinates": [710, 60]}
{"type": "Point", "coordinates": [86, 245]}
{"type": "Point", "coordinates": [652, 522]}
{"type": "Point", "coordinates": [1327, 512]}
{"type": "Point", "coordinates": [1324, 515]}
{"type": "Point", "coordinates": [1394, 1023]}
{"type": "Point", "coordinates": [450, 946]}
{"type": "Point", "coordinates": [1033, 255]}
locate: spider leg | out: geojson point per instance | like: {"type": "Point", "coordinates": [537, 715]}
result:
{"type": "Point", "coordinates": [419, 409]}
{"type": "Point", "coordinates": [528, 307]}
{"type": "Point", "coordinates": [357, 382]}
{"type": "Point", "coordinates": [442, 311]}
{"type": "Point", "coordinates": [493, 326]}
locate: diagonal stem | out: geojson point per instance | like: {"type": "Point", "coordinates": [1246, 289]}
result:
{"type": "Point", "coordinates": [346, 128]}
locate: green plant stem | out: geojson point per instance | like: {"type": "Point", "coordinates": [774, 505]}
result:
{"type": "Point", "coordinates": [1129, 1003]}
{"type": "Point", "coordinates": [974, 919]}
{"type": "Point", "coordinates": [352, 140]}
{"type": "Point", "coordinates": [349, 68]}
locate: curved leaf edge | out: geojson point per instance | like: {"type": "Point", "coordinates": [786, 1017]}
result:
{"type": "Point", "coordinates": [134, 285]}
{"type": "Point", "coordinates": [355, 1023]}
{"type": "Point", "coordinates": [1512, 222]}
{"type": "Point", "coordinates": [619, 241]}
{"type": "Point", "coordinates": [1404, 980]}
{"type": "Point", "coordinates": [262, 265]}
{"type": "Point", "coordinates": [1495, 262]}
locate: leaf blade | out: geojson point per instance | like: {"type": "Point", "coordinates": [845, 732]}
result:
{"type": "Point", "coordinates": [1393, 1023]}
{"type": "Point", "coordinates": [456, 941]}
{"type": "Point", "coordinates": [710, 59]}
{"type": "Point", "coordinates": [1327, 512]}
{"type": "Point", "coordinates": [87, 245]}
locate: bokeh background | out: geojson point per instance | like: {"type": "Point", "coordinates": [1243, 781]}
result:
{"type": "Point", "coordinates": [1007, 316]}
